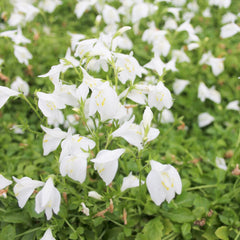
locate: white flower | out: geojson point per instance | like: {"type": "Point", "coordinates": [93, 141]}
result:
{"type": "Point", "coordinates": [136, 134]}
{"type": "Point", "coordinates": [204, 119]}
{"type": "Point", "coordinates": [20, 86]}
{"type": "Point", "coordinates": [50, 103]}
{"type": "Point", "coordinates": [5, 94]}
{"type": "Point", "coordinates": [179, 85]}
{"type": "Point", "coordinates": [216, 65]}
{"type": "Point", "coordinates": [129, 67]}
{"type": "Point", "coordinates": [229, 18]}
{"type": "Point", "coordinates": [147, 117]}
{"type": "Point", "coordinates": [95, 195]}
{"type": "Point", "coordinates": [110, 14]}
{"type": "Point", "coordinates": [4, 182]}
{"type": "Point", "coordinates": [220, 3]}
{"type": "Point", "coordinates": [166, 116]}
{"type": "Point", "coordinates": [160, 97]}
{"type": "Point", "coordinates": [48, 235]}
{"type": "Point", "coordinates": [52, 139]}
{"type": "Point", "coordinates": [24, 188]}
{"type": "Point", "coordinates": [22, 54]}
{"type": "Point", "coordinates": [229, 30]}
{"type": "Point", "coordinates": [130, 182]}
{"type": "Point", "coordinates": [49, 5]}
{"type": "Point", "coordinates": [220, 162]}
{"type": "Point", "coordinates": [48, 199]}
{"type": "Point", "coordinates": [162, 182]}
{"type": "Point", "coordinates": [106, 163]}
{"type": "Point", "coordinates": [85, 209]}
{"type": "Point", "coordinates": [75, 166]}
{"type": "Point", "coordinates": [210, 93]}
{"type": "Point", "coordinates": [233, 105]}
{"type": "Point", "coordinates": [104, 99]}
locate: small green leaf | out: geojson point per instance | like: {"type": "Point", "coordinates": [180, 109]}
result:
{"type": "Point", "coordinates": [153, 229]}
{"type": "Point", "coordinates": [180, 215]}
{"type": "Point", "coordinates": [222, 233]}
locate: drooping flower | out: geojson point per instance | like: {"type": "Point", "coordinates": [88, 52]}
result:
{"type": "Point", "coordinates": [135, 134]}
{"type": "Point", "coordinates": [220, 162]}
{"type": "Point", "coordinates": [20, 85]}
{"type": "Point", "coordinates": [5, 94]}
{"type": "Point", "coordinates": [75, 166]}
{"type": "Point", "coordinates": [233, 105]}
{"type": "Point", "coordinates": [163, 181]}
{"type": "Point", "coordinates": [52, 139]}
{"type": "Point", "coordinates": [204, 119]}
{"type": "Point", "coordinates": [24, 188]}
{"type": "Point", "coordinates": [229, 30]}
{"type": "Point", "coordinates": [179, 85]}
{"type": "Point", "coordinates": [166, 116]}
{"type": "Point", "coordinates": [85, 209]}
{"type": "Point", "coordinates": [4, 182]}
{"type": "Point", "coordinates": [48, 199]}
{"type": "Point", "coordinates": [106, 163]}
{"type": "Point", "coordinates": [130, 182]}
{"type": "Point", "coordinates": [104, 99]}
{"type": "Point", "coordinates": [48, 235]}
{"type": "Point", "coordinates": [95, 195]}
{"type": "Point", "coordinates": [22, 54]}
{"type": "Point", "coordinates": [160, 97]}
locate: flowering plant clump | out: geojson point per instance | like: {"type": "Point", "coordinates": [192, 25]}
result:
{"type": "Point", "coordinates": [120, 119]}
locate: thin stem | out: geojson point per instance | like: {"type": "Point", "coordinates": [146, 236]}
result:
{"type": "Point", "coordinates": [201, 187]}
{"type": "Point", "coordinates": [32, 107]}
{"type": "Point", "coordinates": [29, 231]}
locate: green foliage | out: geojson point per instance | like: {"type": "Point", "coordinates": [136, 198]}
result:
{"type": "Point", "coordinates": [206, 189]}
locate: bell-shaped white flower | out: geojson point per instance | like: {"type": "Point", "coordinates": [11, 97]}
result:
{"type": "Point", "coordinates": [5, 94]}
{"type": "Point", "coordinates": [166, 116]}
{"type": "Point", "coordinates": [85, 209]}
{"type": "Point", "coordinates": [110, 14]}
{"type": "Point", "coordinates": [48, 199]}
{"type": "Point", "coordinates": [204, 119]}
{"type": "Point", "coordinates": [94, 194]}
{"type": "Point", "coordinates": [234, 105]}
{"type": "Point", "coordinates": [136, 134]}
{"type": "Point", "coordinates": [4, 182]}
{"type": "Point", "coordinates": [22, 54]}
{"type": "Point", "coordinates": [160, 97]}
{"type": "Point", "coordinates": [24, 188]}
{"type": "Point", "coordinates": [49, 5]}
{"type": "Point", "coordinates": [163, 181]}
{"type": "Point", "coordinates": [20, 86]}
{"type": "Point", "coordinates": [106, 163]}
{"type": "Point", "coordinates": [130, 182]}
{"type": "Point", "coordinates": [179, 85]}
{"type": "Point", "coordinates": [50, 103]}
{"type": "Point", "coordinates": [147, 117]}
{"type": "Point", "coordinates": [75, 166]}
{"type": "Point", "coordinates": [229, 30]}
{"type": "Point", "coordinates": [129, 67]}
{"type": "Point", "coordinates": [48, 235]}
{"type": "Point", "coordinates": [52, 139]}
{"type": "Point", "coordinates": [104, 99]}
{"type": "Point", "coordinates": [220, 162]}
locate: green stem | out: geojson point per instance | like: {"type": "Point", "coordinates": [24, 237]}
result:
{"type": "Point", "coordinates": [32, 107]}
{"type": "Point", "coordinates": [201, 187]}
{"type": "Point", "coordinates": [29, 231]}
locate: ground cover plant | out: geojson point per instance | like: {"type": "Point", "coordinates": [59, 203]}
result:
{"type": "Point", "coordinates": [119, 119]}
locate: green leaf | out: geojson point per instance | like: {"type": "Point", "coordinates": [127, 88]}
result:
{"type": "Point", "coordinates": [153, 229]}
{"type": "Point", "coordinates": [8, 232]}
{"type": "Point", "coordinates": [222, 233]}
{"type": "Point", "coordinates": [180, 215]}
{"type": "Point", "coordinates": [186, 229]}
